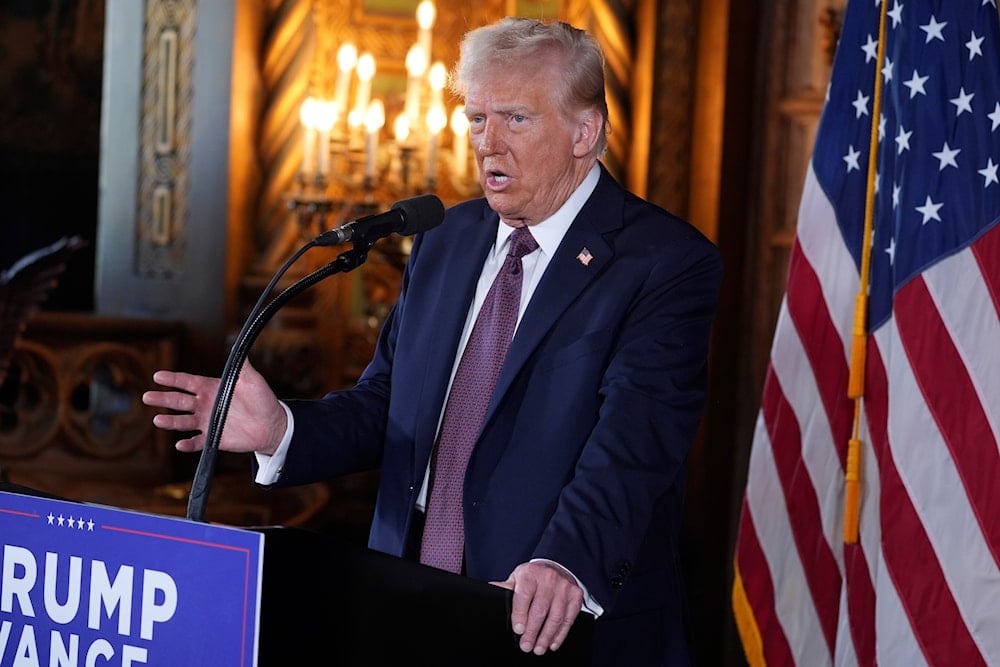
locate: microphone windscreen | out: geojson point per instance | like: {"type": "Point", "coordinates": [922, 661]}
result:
{"type": "Point", "coordinates": [420, 213]}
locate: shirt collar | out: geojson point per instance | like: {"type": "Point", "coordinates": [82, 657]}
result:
{"type": "Point", "coordinates": [549, 233]}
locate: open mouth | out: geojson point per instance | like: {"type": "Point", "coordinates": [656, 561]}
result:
{"type": "Point", "coordinates": [496, 178]}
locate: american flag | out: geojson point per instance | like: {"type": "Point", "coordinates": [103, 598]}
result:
{"type": "Point", "coordinates": [921, 585]}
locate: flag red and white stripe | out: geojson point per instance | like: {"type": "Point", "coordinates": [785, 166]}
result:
{"type": "Point", "coordinates": [922, 585]}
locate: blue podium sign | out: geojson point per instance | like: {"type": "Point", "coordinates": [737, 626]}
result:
{"type": "Point", "coordinates": [84, 584]}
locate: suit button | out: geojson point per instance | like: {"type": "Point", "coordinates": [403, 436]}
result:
{"type": "Point", "coordinates": [617, 581]}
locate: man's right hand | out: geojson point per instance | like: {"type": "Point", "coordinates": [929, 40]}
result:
{"type": "Point", "coordinates": [255, 422]}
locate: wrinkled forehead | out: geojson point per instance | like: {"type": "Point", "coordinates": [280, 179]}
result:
{"type": "Point", "coordinates": [510, 84]}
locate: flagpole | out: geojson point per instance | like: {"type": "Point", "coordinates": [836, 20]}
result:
{"type": "Point", "coordinates": [856, 379]}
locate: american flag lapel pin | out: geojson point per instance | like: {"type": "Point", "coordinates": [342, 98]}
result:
{"type": "Point", "coordinates": [585, 256]}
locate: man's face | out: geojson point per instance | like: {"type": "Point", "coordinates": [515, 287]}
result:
{"type": "Point", "coordinates": [530, 155]}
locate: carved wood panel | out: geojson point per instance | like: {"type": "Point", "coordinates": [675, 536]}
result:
{"type": "Point", "coordinates": [70, 408]}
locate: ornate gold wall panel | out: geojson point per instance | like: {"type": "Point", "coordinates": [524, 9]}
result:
{"type": "Point", "coordinates": [165, 128]}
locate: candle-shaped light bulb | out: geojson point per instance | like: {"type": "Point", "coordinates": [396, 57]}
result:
{"type": "Point", "coordinates": [401, 128]}
{"type": "Point", "coordinates": [356, 118]}
{"type": "Point", "coordinates": [416, 67]}
{"type": "Point", "coordinates": [366, 70]}
{"type": "Point", "coordinates": [325, 119]}
{"type": "Point", "coordinates": [416, 61]}
{"type": "Point", "coordinates": [460, 145]}
{"type": "Point", "coordinates": [374, 120]}
{"type": "Point", "coordinates": [347, 58]}
{"type": "Point", "coordinates": [437, 119]}
{"type": "Point", "coordinates": [426, 15]}
{"type": "Point", "coordinates": [307, 114]}
{"type": "Point", "coordinates": [437, 77]}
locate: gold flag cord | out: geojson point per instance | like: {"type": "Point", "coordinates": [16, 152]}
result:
{"type": "Point", "coordinates": [855, 382]}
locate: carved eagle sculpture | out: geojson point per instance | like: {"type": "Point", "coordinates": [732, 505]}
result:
{"type": "Point", "coordinates": [23, 288]}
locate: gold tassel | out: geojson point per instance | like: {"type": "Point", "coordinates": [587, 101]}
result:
{"type": "Point", "coordinates": [856, 379]}
{"type": "Point", "coordinates": [852, 501]}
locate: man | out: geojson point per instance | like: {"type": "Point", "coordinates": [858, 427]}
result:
{"type": "Point", "coordinates": [574, 478]}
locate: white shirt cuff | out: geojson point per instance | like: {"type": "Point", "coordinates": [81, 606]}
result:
{"type": "Point", "coordinates": [590, 605]}
{"type": "Point", "coordinates": [269, 468]}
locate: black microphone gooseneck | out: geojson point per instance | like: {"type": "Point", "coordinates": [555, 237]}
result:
{"type": "Point", "coordinates": [406, 217]}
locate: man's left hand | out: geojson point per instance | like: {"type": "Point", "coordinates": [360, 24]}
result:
{"type": "Point", "coordinates": [546, 602]}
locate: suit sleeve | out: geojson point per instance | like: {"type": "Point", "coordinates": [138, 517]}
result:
{"type": "Point", "coordinates": [344, 431]}
{"type": "Point", "coordinates": [624, 500]}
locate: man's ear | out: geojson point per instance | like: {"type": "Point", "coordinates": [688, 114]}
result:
{"type": "Point", "coordinates": [589, 125]}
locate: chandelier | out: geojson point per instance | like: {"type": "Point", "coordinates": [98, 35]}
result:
{"type": "Point", "coordinates": [361, 151]}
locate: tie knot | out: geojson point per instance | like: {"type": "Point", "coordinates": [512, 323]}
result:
{"type": "Point", "coordinates": [521, 243]}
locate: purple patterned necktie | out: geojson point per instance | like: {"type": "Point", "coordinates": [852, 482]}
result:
{"type": "Point", "coordinates": [443, 540]}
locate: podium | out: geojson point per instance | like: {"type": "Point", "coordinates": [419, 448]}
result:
{"type": "Point", "coordinates": [316, 600]}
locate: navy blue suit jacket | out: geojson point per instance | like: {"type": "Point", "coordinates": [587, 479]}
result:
{"type": "Point", "coordinates": [582, 456]}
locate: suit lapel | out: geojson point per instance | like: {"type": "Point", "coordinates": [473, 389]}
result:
{"type": "Point", "coordinates": [567, 275]}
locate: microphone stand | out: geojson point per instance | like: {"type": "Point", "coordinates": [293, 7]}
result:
{"type": "Point", "coordinates": [348, 260]}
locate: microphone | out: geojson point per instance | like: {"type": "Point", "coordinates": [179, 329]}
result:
{"type": "Point", "coordinates": [409, 216]}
